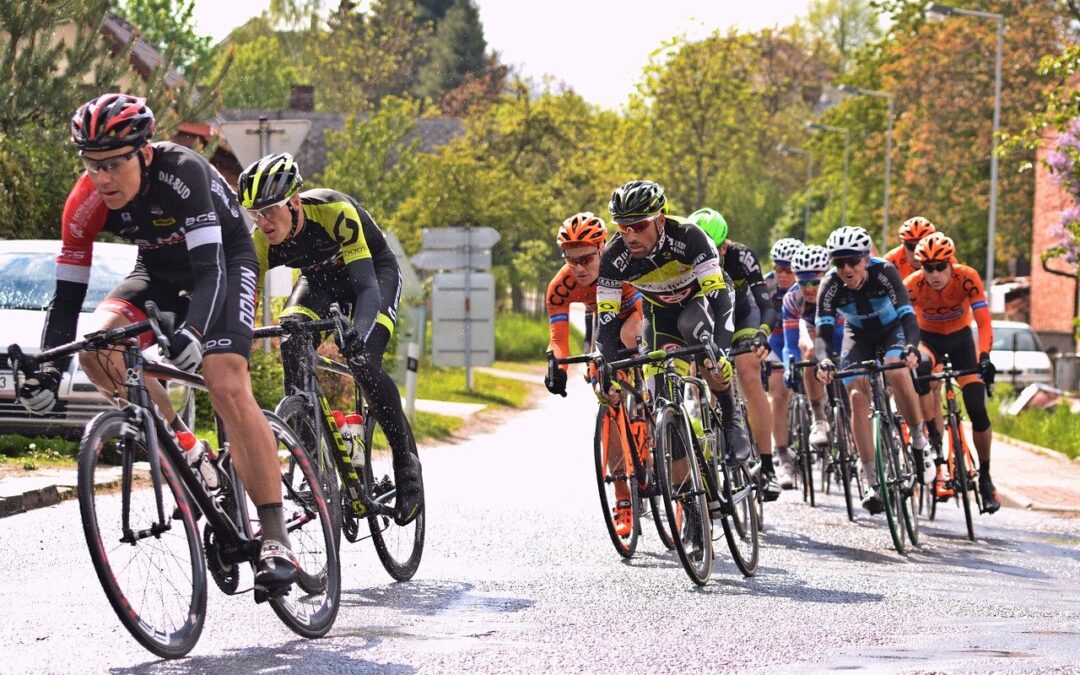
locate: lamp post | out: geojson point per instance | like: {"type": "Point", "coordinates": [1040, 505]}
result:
{"type": "Point", "coordinates": [814, 126]}
{"type": "Point", "coordinates": [857, 91]}
{"type": "Point", "coordinates": [788, 151]}
{"type": "Point", "coordinates": [944, 10]}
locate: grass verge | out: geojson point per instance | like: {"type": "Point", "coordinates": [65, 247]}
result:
{"type": "Point", "coordinates": [448, 384]}
{"type": "Point", "coordinates": [1054, 429]}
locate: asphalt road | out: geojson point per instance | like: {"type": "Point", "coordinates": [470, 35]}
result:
{"type": "Point", "coordinates": [519, 575]}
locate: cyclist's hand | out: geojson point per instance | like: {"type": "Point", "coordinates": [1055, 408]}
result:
{"type": "Point", "coordinates": [38, 392]}
{"type": "Point", "coordinates": [352, 344]}
{"type": "Point", "coordinates": [186, 350]}
{"type": "Point", "coordinates": [987, 369]}
{"type": "Point", "coordinates": [760, 345]}
{"type": "Point", "coordinates": [789, 378]}
{"type": "Point", "coordinates": [911, 356]}
{"type": "Point", "coordinates": [556, 382]}
{"type": "Point", "coordinates": [824, 371]}
{"type": "Point", "coordinates": [723, 366]}
{"type": "Point", "coordinates": [613, 396]}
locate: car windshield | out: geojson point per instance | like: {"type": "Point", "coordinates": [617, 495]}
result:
{"type": "Point", "coordinates": [1015, 340]}
{"type": "Point", "coordinates": [27, 280]}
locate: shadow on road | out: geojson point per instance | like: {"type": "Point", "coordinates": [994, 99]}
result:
{"type": "Point", "coordinates": [430, 598]}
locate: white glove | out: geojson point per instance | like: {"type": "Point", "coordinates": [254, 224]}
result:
{"type": "Point", "coordinates": [186, 350]}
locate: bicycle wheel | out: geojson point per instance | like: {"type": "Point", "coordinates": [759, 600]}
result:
{"type": "Point", "coordinates": [911, 488]}
{"type": "Point", "coordinates": [806, 453]}
{"type": "Point", "coordinates": [399, 548]}
{"type": "Point", "coordinates": [156, 580]}
{"type": "Point", "coordinates": [888, 482]}
{"type": "Point", "coordinates": [961, 479]}
{"type": "Point", "coordinates": [311, 605]}
{"type": "Point", "coordinates": [846, 467]}
{"type": "Point", "coordinates": [740, 519]}
{"type": "Point", "coordinates": [297, 412]}
{"type": "Point", "coordinates": [620, 478]}
{"type": "Point", "coordinates": [644, 447]}
{"type": "Point", "coordinates": [684, 494]}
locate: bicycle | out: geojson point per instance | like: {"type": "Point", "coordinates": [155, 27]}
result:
{"type": "Point", "coordinates": [895, 463]}
{"type": "Point", "coordinates": [799, 420]}
{"type": "Point", "coordinates": [841, 464]}
{"type": "Point", "coordinates": [353, 492]}
{"type": "Point", "coordinates": [153, 572]}
{"type": "Point", "coordinates": [963, 469]}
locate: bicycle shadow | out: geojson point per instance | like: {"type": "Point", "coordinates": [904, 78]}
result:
{"type": "Point", "coordinates": [775, 582]}
{"type": "Point", "coordinates": [800, 542]}
{"type": "Point", "coordinates": [430, 598]}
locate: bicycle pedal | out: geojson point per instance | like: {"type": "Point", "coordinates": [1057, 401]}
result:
{"type": "Point", "coordinates": [262, 594]}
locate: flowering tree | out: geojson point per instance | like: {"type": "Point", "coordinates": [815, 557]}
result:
{"type": "Point", "coordinates": [1064, 164]}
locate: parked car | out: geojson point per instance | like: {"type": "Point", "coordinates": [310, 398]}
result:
{"type": "Point", "coordinates": [27, 282]}
{"type": "Point", "coordinates": [1017, 348]}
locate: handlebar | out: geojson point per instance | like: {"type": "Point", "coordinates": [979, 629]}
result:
{"type": "Point", "coordinates": [868, 367]}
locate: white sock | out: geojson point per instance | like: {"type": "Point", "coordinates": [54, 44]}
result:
{"type": "Point", "coordinates": [870, 469]}
{"type": "Point", "coordinates": [918, 438]}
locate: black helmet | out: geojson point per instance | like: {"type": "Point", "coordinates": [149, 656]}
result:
{"type": "Point", "coordinates": [636, 200]}
{"type": "Point", "coordinates": [112, 121]}
{"type": "Point", "coordinates": [271, 180]}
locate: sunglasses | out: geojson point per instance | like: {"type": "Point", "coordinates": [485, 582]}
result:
{"type": "Point", "coordinates": [109, 164]}
{"type": "Point", "coordinates": [264, 213]}
{"type": "Point", "coordinates": [910, 245]}
{"type": "Point", "coordinates": [781, 268]}
{"type": "Point", "coordinates": [848, 261]}
{"type": "Point", "coordinates": [638, 226]}
{"type": "Point", "coordinates": [580, 260]}
{"type": "Point", "coordinates": [809, 283]}
{"type": "Point", "coordinates": [935, 267]}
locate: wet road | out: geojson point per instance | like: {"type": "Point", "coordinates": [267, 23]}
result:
{"type": "Point", "coordinates": [519, 575]}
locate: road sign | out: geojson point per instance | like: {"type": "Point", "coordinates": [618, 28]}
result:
{"type": "Point", "coordinates": [459, 237]}
{"type": "Point", "coordinates": [245, 139]}
{"type": "Point", "coordinates": [444, 259]}
{"type": "Point", "coordinates": [463, 320]}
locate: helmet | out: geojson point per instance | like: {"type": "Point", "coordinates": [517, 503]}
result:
{"type": "Point", "coordinates": [636, 200]}
{"type": "Point", "coordinates": [712, 222]}
{"type": "Point", "coordinates": [935, 248]}
{"type": "Point", "coordinates": [811, 259]}
{"type": "Point", "coordinates": [915, 229]}
{"type": "Point", "coordinates": [785, 250]}
{"type": "Point", "coordinates": [582, 229]}
{"type": "Point", "coordinates": [271, 180]}
{"type": "Point", "coordinates": [112, 121]}
{"type": "Point", "coordinates": [849, 241]}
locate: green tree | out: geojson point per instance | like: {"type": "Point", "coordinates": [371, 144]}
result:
{"type": "Point", "coordinates": [848, 25]}
{"type": "Point", "coordinates": [260, 76]}
{"type": "Point", "coordinates": [168, 25]}
{"type": "Point", "coordinates": [458, 50]}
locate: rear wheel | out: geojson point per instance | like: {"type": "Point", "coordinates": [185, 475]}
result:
{"type": "Point", "coordinates": [616, 482]}
{"type": "Point", "coordinates": [399, 547]}
{"type": "Point", "coordinates": [847, 469]}
{"type": "Point", "coordinates": [962, 480]}
{"type": "Point", "coordinates": [888, 482]}
{"type": "Point", "coordinates": [684, 495]}
{"type": "Point", "coordinates": [296, 411]}
{"type": "Point", "coordinates": [740, 518]}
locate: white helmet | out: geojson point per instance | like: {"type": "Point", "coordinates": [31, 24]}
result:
{"type": "Point", "coordinates": [849, 240]}
{"type": "Point", "coordinates": [811, 259]}
{"type": "Point", "coordinates": [784, 250]}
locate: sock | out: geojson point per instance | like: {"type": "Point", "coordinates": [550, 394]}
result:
{"type": "Point", "coordinates": [984, 470]}
{"type": "Point", "coordinates": [766, 464]}
{"type": "Point", "coordinates": [727, 406]}
{"type": "Point", "coordinates": [272, 517]}
{"type": "Point", "coordinates": [918, 438]}
{"type": "Point", "coordinates": [870, 469]}
{"type": "Point", "coordinates": [817, 409]}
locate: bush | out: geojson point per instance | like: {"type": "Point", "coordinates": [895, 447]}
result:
{"type": "Point", "coordinates": [523, 337]}
{"type": "Point", "coordinates": [14, 445]}
{"type": "Point", "coordinates": [1054, 429]}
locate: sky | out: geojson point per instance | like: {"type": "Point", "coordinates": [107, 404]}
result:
{"type": "Point", "coordinates": [598, 47]}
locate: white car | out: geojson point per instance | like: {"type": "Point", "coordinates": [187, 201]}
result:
{"type": "Point", "coordinates": [27, 283]}
{"type": "Point", "coordinates": [1017, 348]}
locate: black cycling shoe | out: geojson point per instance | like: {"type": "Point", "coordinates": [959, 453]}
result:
{"type": "Point", "coordinates": [276, 569]}
{"type": "Point", "coordinates": [770, 488]}
{"type": "Point", "coordinates": [872, 503]}
{"type": "Point", "coordinates": [738, 442]}
{"type": "Point", "coordinates": [990, 500]}
{"type": "Point", "coordinates": [410, 489]}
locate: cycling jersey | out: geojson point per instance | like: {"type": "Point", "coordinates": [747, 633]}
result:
{"type": "Point", "coordinates": [874, 310]}
{"type": "Point", "coordinates": [339, 249]}
{"type": "Point", "coordinates": [683, 265]}
{"type": "Point", "coordinates": [742, 265]}
{"type": "Point", "coordinates": [187, 225]}
{"type": "Point", "coordinates": [898, 258]}
{"type": "Point", "coordinates": [951, 309]}
{"type": "Point", "coordinates": [776, 295]}
{"type": "Point", "coordinates": [798, 314]}
{"type": "Point", "coordinates": [563, 291]}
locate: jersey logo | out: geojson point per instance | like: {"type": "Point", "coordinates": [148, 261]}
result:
{"type": "Point", "coordinates": [346, 230]}
{"type": "Point", "coordinates": [175, 183]}
{"type": "Point", "coordinates": [163, 222]}
{"type": "Point", "coordinates": [675, 298]}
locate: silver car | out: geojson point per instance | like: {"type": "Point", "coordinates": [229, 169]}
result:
{"type": "Point", "coordinates": [27, 282]}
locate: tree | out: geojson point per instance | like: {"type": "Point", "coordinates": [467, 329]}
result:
{"type": "Point", "coordinates": [848, 25]}
{"type": "Point", "coordinates": [168, 25]}
{"type": "Point", "coordinates": [260, 76]}
{"type": "Point", "coordinates": [432, 10]}
{"type": "Point", "coordinates": [459, 49]}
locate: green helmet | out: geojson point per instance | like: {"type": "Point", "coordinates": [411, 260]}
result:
{"type": "Point", "coordinates": [636, 200]}
{"type": "Point", "coordinates": [268, 181]}
{"type": "Point", "coordinates": [712, 222]}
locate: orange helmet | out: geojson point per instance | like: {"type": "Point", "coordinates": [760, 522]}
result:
{"type": "Point", "coordinates": [935, 248]}
{"type": "Point", "coordinates": [914, 229]}
{"type": "Point", "coordinates": [582, 229]}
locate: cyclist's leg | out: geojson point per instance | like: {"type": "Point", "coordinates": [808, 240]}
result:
{"type": "Point", "coordinates": [304, 304]}
{"type": "Point", "coordinates": [974, 392]}
{"type": "Point", "coordinates": [855, 350]}
{"type": "Point", "coordinates": [748, 369]}
{"type": "Point", "coordinates": [907, 402]}
{"type": "Point", "coordinates": [779, 395]}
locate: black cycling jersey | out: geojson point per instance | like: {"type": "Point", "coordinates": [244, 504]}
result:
{"type": "Point", "coordinates": [186, 222]}
{"type": "Point", "coordinates": [876, 308]}
{"type": "Point", "coordinates": [741, 263]}
{"type": "Point", "coordinates": [683, 265]}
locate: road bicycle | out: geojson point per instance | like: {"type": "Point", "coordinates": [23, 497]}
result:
{"type": "Point", "coordinates": [963, 480]}
{"type": "Point", "coordinates": [897, 478]}
{"type": "Point", "coordinates": [800, 418]}
{"type": "Point", "coordinates": [841, 462]}
{"type": "Point", "coordinates": [143, 535]}
{"type": "Point", "coordinates": [354, 493]}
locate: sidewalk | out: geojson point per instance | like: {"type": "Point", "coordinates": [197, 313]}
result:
{"type": "Point", "coordinates": [1033, 478]}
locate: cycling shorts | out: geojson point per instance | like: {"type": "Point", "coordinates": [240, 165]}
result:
{"type": "Point", "coordinates": [887, 342]}
{"type": "Point", "coordinates": [314, 293]}
{"type": "Point", "coordinates": [958, 347]}
{"type": "Point", "coordinates": [747, 322]}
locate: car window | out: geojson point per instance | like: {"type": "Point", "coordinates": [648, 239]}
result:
{"type": "Point", "coordinates": [27, 280]}
{"type": "Point", "coordinates": [1015, 339]}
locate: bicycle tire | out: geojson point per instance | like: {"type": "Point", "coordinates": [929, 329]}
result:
{"type": "Point", "coordinates": [399, 548]}
{"type": "Point", "coordinates": [624, 546]}
{"type": "Point", "coordinates": [296, 411]}
{"type": "Point", "coordinates": [911, 488]}
{"type": "Point", "coordinates": [806, 452]}
{"type": "Point", "coordinates": [962, 480]}
{"type": "Point", "coordinates": [740, 520]}
{"type": "Point", "coordinates": [120, 566]}
{"type": "Point", "coordinates": [888, 489]}
{"type": "Point", "coordinates": [311, 605]}
{"type": "Point", "coordinates": [845, 442]}
{"type": "Point", "coordinates": [656, 500]}
{"type": "Point", "coordinates": [693, 530]}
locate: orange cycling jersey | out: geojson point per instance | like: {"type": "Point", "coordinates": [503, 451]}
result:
{"type": "Point", "coordinates": [950, 309]}
{"type": "Point", "coordinates": [899, 260]}
{"type": "Point", "coordinates": [563, 291]}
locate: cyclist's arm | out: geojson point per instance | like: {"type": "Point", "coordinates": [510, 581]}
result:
{"type": "Point", "coordinates": [826, 317]}
{"type": "Point", "coordinates": [558, 308]}
{"type": "Point", "coordinates": [902, 301]}
{"type": "Point", "coordinates": [349, 233]}
{"type": "Point", "coordinates": [981, 310]}
{"type": "Point", "coordinates": [792, 320]}
{"type": "Point", "coordinates": [714, 286]}
{"type": "Point", "coordinates": [202, 234]}
{"type": "Point", "coordinates": [609, 302]}
{"type": "Point", "coordinates": [758, 289]}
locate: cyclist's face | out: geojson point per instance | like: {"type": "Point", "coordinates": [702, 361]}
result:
{"type": "Point", "coordinates": [852, 270]}
{"type": "Point", "coordinates": [810, 287]}
{"type": "Point", "coordinates": [641, 236]}
{"type": "Point", "coordinates": [937, 274]}
{"type": "Point", "coordinates": [909, 253]}
{"type": "Point", "coordinates": [116, 174]}
{"type": "Point", "coordinates": [276, 221]}
{"type": "Point", "coordinates": [784, 276]}
{"type": "Point", "coordinates": [584, 263]}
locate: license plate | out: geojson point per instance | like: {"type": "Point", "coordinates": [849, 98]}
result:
{"type": "Point", "coordinates": [7, 384]}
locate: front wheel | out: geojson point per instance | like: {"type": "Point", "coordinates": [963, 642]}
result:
{"type": "Point", "coordinates": [889, 489]}
{"type": "Point", "coordinates": [617, 484]}
{"type": "Point", "coordinates": [298, 413]}
{"type": "Point", "coordinates": [684, 495]}
{"type": "Point", "coordinates": [740, 518]}
{"type": "Point", "coordinates": [149, 561]}
{"type": "Point", "coordinates": [399, 548]}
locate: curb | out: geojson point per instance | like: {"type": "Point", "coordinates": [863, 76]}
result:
{"type": "Point", "coordinates": [49, 495]}
{"type": "Point", "coordinates": [1037, 449]}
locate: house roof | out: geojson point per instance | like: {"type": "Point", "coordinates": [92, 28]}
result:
{"type": "Point", "coordinates": [145, 59]}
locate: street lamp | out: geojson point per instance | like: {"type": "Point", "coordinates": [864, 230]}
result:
{"type": "Point", "coordinates": [814, 126]}
{"type": "Point", "coordinates": [943, 10]}
{"type": "Point", "coordinates": [787, 150]}
{"type": "Point", "coordinates": [857, 91]}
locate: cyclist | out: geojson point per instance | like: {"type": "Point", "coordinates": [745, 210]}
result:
{"type": "Point", "coordinates": [343, 258]}
{"type": "Point", "coordinates": [946, 295]}
{"type": "Point", "coordinates": [754, 319]}
{"type": "Point", "coordinates": [195, 259]}
{"type": "Point", "coordinates": [581, 238]}
{"type": "Point", "coordinates": [779, 280]}
{"type": "Point", "coordinates": [878, 313]}
{"type": "Point", "coordinates": [800, 332]}
{"type": "Point", "coordinates": [677, 269]}
{"type": "Point", "coordinates": [911, 233]}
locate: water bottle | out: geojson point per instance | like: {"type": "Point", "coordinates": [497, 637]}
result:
{"type": "Point", "coordinates": [195, 453]}
{"type": "Point", "coordinates": [352, 432]}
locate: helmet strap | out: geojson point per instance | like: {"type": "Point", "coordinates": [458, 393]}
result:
{"type": "Point", "coordinates": [144, 171]}
{"type": "Point", "coordinates": [295, 220]}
